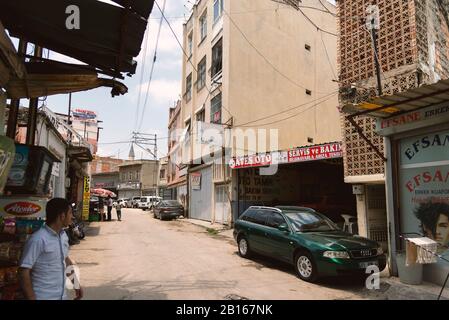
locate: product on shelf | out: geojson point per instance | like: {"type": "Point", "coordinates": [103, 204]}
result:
{"type": "Point", "coordinates": [2, 277]}
{"type": "Point", "coordinates": [9, 226]}
{"type": "Point", "coordinates": [10, 252]}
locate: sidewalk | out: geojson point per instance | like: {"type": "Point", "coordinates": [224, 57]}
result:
{"type": "Point", "coordinates": [390, 289]}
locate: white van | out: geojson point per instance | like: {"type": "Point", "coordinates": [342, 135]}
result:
{"type": "Point", "coordinates": [147, 202]}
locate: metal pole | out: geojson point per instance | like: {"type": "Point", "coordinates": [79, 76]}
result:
{"type": "Point", "coordinates": [70, 109]}
{"type": "Point", "coordinates": [376, 57]}
{"type": "Point", "coordinates": [15, 103]}
{"type": "Point", "coordinates": [32, 115]}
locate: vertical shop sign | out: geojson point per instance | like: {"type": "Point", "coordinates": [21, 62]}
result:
{"type": "Point", "coordinates": [86, 198]}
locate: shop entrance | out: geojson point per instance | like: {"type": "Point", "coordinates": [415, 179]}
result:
{"type": "Point", "coordinates": [318, 185]}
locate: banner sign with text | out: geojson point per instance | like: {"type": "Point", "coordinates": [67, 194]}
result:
{"type": "Point", "coordinates": [303, 154]}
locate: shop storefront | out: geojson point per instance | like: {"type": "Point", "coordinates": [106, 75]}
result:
{"type": "Point", "coordinates": [128, 190]}
{"type": "Point", "coordinates": [415, 124]}
{"type": "Point", "coordinates": [200, 193]}
{"type": "Point", "coordinates": [419, 179]}
{"type": "Point", "coordinates": [307, 177]}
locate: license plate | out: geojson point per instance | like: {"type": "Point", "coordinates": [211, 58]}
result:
{"type": "Point", "coordinates": [364, 265]}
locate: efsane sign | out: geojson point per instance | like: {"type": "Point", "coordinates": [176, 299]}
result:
{"type": "Point", "coordinates": [303, 154]}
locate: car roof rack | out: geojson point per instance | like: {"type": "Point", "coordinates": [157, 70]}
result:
{"type": "Point", "coordinates": [265, 208]}
{"type": "Point", "coordinates": [286, 208]}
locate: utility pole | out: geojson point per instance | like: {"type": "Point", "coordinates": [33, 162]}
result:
{"type": "Point", "coordinates": [376, 56]}
{"type": "Point", "coordinates": [32, 113]}
{"type": "Point", "coordinates": [147, 142]}
{"type": "Point", "coordinates": [15, 103]}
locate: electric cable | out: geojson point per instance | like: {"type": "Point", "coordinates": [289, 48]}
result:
{"type": "Point", "coordinates": [152, 67]}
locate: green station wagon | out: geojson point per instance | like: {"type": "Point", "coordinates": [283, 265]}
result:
{"type": "Point", "coordinates": [307, 239]}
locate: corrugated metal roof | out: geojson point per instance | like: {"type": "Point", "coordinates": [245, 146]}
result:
{"type": "Point", "coordinates": [391, 105]}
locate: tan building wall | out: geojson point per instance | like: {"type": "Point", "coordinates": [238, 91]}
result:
{"type": "Point", "coordinates": [273, 89]}
{"type": "Point", "coordinates": [257, 90]}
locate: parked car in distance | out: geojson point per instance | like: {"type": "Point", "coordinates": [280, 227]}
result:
{"type": "Point", "coordinates": [168, 209]}
{"type": "Point", "coordinates": [307, 239]}
{"type": "Point", "coordinates": [122, 201]}
{"type": "Point", "coordinates": [147, 202]}
{"type": "Point", "coordinates": [134, 201]}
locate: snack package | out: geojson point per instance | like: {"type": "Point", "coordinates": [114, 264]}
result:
{"type": "Point", "coordinates": [4, 251]}
{"type": "Point", "coordinates": [2, 278]}
{"type": "Point", "coordinates": [15, 252]}
{"type": "Point", "coordinates": [9, 226]}
{"type": "Point", "coordinates": [11, 275]}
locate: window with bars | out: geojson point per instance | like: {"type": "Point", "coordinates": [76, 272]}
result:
{"type": "Point", "coordinates": [203, 26]}
{"type": "Point", "coordinates": [218, 9]}
{"type": "Point", "coordinates": [201, 116]}
{"type": "Point", "coordinates": [215, 109]}
{"type": "Point", "coordinates": [217, 58]}
{"type": "Point", "coordinates": [201, 82]}
{"type": "Point", "coordinates": [190, 43]}
{"type": "Point", "coordinates": [189, 88]}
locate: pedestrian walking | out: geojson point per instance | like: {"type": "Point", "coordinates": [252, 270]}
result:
{"type": "Point", "coordinates": [101, 209]}
{"type": "Point", "coordinates": [43, 266]}
{"type": "Point", "coordinates": [109, 204]}
{"type": "Point", "coordinates": [118, 208]}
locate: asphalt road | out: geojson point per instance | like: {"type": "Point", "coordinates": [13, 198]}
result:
{"type": "Point", "coordinates": [144, 258]}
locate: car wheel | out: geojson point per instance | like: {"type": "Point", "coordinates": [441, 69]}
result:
{"type": "Point", "coordinates": [305, 267]}
{"type": "Point", "coordinates": [244, 250]}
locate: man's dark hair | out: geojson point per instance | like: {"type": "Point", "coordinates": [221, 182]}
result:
{"type": "Point", "coordinates": [428, 213]}
{"type": "Point", "coordinates": [55, 208]}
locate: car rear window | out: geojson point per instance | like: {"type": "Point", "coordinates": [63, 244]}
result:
{"type": "Point", "coordinates": [170, 203]}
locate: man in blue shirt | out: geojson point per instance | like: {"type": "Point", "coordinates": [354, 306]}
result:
{"type": "Point", "coordinates": [45, 256]}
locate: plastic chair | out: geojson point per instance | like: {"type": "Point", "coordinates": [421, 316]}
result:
{"type": "Point", "coordinates": [348, 225]}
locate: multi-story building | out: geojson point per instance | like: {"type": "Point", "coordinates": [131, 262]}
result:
{"type": "Point", "coordinates": [176, 170]}
{"type": "Point", "coordinates": [413, 51]}
{"type": "Point", "coordinates": [105, 164]}
{"type": "Point", "coordinates": [106, 180]}
{"type": "Point", "coordinates": [138, 178]}
{"type": "Point", "coordinates": [256, 67]}
{"type": "Point", "coordinates": [162, 179]}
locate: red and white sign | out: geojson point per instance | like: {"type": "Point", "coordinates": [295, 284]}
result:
{"type": "Point", "coordinates": [326, 151]}
{"type": "Point", "coordinates": [23, 207]}
{"type": "Point", "coordinates": [251, 161]}
{"type": "Point", "coordinates": [313, 153]}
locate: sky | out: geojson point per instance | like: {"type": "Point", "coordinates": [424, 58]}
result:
{"type": "Point", "coordinates": [119, 114]}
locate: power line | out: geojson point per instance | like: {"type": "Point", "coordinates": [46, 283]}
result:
{"type": "Point", "coordinates": [142, 75]}
{"type": "Point", "coordinates": [187, 56]}
{"type": "Point", "coordinates": [315, 25]}
{"type": "Point", "coordinates": [293, 116]}
{"type": "Point", "coordinates": [328, 57]}
{"type": "Point", "coordinates": [326, 8]}
{"type": "Point", "coordinates": [287, 110]}
{"type": "Point", "coordinates": [262, 55]}
{"type": "Point", "coordinates": [152, 67]}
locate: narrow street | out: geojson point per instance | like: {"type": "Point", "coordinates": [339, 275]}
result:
{"type": "Point", "coordinates": [145, 258]}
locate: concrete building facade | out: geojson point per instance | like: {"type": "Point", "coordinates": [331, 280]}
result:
{"type": "Point", "coordinates": [138, 178]}
{"type": "Point", "coordinates": [283, 70]}
{"type": "Point", "coordinates": [412, 52]}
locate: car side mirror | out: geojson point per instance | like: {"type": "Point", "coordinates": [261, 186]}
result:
{"type": "Point", "coordinates": [283, 227]}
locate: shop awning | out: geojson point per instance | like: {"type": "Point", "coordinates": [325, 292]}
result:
{"type": "Point", "coordinates": [10, 64]}
{"type": "Point", "coordinates": [81, 154]}
{"type": "Point", "coordinates": [50, 78]}
{"type": "Point", "coordinates": [393, 105]}
{"type": "Point", "coordinates": [109, 36]}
